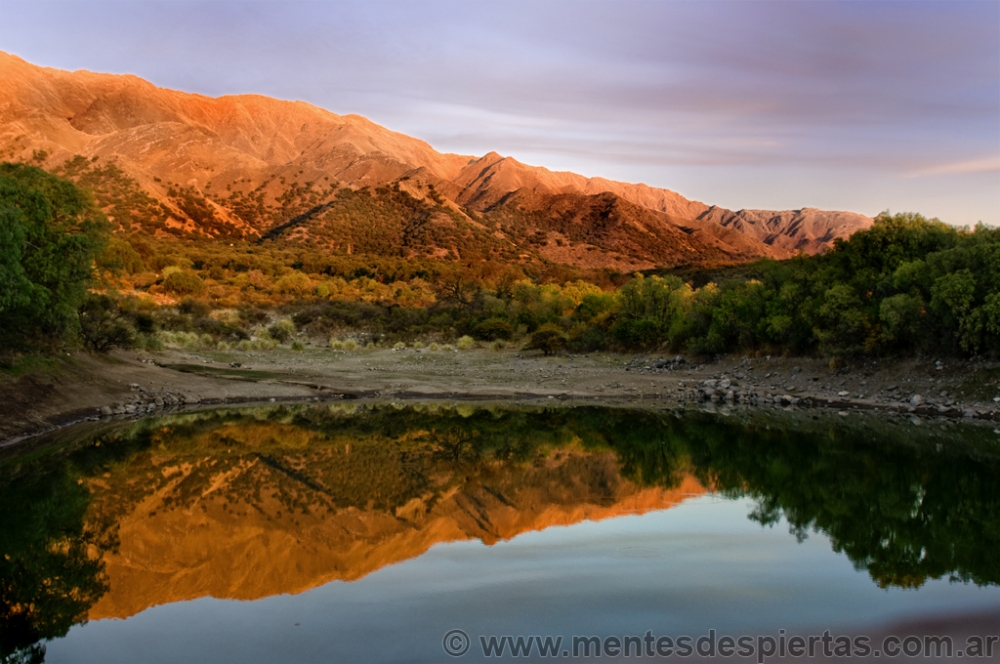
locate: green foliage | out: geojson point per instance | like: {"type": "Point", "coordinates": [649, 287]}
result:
{"type": "Point", "coordinates": [549, 339]}
{"type": "Point", "coordinates": [103, 324]}
{"type": "Point", "coordinates": [492, 329]}
{"type": "Point", "coordinates": [282, 330]}
{"type": "Point", "coordinates": [907, 285]}
{"type": "Point", "coordinates": [903, 504]}
{"type": "Point", "coordinates": [50, 234]}
{"type": "Point", "coordinates": [48, 581]}
{"type": "Point", "coordinates": [182, 282]}
{"type": "Point", "coordinates": [370, 261]}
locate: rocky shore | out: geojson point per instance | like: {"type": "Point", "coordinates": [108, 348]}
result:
{"type": "Point", "coordinates": [127, 385]}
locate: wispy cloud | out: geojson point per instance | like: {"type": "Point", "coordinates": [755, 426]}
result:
{"type": "Point", "coordinates": [989, 164]}
{"type": "Point", "coordinates": [852, 93]}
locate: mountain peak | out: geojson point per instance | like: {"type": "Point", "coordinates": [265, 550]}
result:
{"type": "Point", "coordinates": [259, 162]}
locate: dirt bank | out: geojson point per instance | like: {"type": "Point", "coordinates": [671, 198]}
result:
{"type": "Point", "coordinates": [127, 384]}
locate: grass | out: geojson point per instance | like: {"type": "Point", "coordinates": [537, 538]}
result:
{"type": "Point", "coordinates": [28, 364]}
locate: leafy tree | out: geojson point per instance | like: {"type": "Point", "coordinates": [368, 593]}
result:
{"type": "Point", "coordinates": [103, 325]}
{"type": "Point", "coordinates": [50, 234]}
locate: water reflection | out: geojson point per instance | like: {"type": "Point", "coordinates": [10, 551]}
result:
{"type": "Point", "coordinates": [245, 504]}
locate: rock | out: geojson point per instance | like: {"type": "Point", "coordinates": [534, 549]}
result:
{"type": "Point", "coordinates": [843, 393]}
{"type": "Point", "coordinates": [725, 383]}
{"type": "Point", "coordinates": [106, 411]}
{"type": "Point", "coordinates": [729, 395]}
{"type": "Point", "coordinates": [916, 400]}
{"type": "Point", "coordinates": [134, 387]}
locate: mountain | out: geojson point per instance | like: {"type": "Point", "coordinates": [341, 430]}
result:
{"type": "Point", "coordinates": [170, 550]}
{"type": "Point", "coordinates": [166, 162]}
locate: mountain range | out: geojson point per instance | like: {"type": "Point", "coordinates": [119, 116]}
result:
{"type": "Point", "coordinates": [164, 162]}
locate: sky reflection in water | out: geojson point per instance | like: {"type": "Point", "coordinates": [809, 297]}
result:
{"type": "Point", "coordinates": [358, 535]}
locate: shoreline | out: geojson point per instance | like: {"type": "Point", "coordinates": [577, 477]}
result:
{"type": "Point", "coordinates": [127, 385]}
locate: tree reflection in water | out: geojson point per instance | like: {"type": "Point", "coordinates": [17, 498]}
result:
{"type": "Point", "coordinates": [905, 504]}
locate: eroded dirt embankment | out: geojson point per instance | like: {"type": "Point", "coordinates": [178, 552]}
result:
{"type": "Point", "coordinates": [73, 388]}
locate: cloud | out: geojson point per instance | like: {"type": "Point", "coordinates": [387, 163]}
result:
{"type": "Point", "coordinates": [841, 87]}
{"type": "Point", "coordinates": [989, 164]}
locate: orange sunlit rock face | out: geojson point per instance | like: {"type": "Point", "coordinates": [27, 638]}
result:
{"type": "Point", "coordinates": [228, 529]}
{"type": "Point", "coordinates": [258, 147]}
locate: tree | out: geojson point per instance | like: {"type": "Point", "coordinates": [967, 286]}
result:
{"type": "Point", "coordinates": [103, 325]}
{"type": "Point", "coordinates": [549, 339]}
{"type": "Point", "coordinates": [50, 234]}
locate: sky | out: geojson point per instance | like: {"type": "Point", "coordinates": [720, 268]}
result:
{"type": "Point", "coordinates": [862, 106]}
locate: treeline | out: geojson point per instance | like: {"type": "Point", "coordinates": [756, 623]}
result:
{"type": "Point", "coordinates": [906, 286]}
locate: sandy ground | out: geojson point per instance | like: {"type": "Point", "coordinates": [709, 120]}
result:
{"type": "Point", "coordinates": [127, 384]}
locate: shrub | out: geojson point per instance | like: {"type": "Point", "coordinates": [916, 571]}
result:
{"type": "Point", "coordinates": [549, 338]}
{"type": "Point", "coordinates": [465, 343]}
{"type": "Point", "coordinates": [297, 346]}
{"type": "Point", "coordinates": [336, 344]}
{"type": "Point", "coordinates": [294, 283]}
{"type": "Point", "coordinates": [282, 331]}
{"type": "Point", "coordinates": [103, 326]}
{"type": "Point", "coordinates": [350, 344]}
{"type": "Point", "coordinates": [183, 283]}
{"type": "Point", "coordinates": [194, 308]}
{"type": "Point", "coordinates": [399, 345]}
{"type": "Point", "coordinates": [583, 338]}
{"type": "Point", "coordinates": [494, 328]}
{"type": "Point", "coordinates": [181, 339]}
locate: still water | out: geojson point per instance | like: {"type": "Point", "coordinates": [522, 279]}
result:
{"type": "Point", "coordinates": [367, 533]}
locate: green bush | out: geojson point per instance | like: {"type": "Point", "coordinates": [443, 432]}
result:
{"type": "Point", "coordinates": [492, 329]}
{"type": "Point", "coordinates": [282, 330]}
{"type": "Point", "coordinates": [50, 234]}
{"type": "Point", "coordinates": [103, 326]}
{"type": "Point", "coordinates": [183, 283]}
{"type": "Point", "coordinates": [549, 339]}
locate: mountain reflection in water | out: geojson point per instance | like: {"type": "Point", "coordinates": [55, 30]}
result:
{"type": "Point", "coordinates": [245, 504]}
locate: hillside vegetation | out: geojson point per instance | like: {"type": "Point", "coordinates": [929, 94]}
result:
{"type": "Point", "coordinates": [247, 167]}
{"type": "Point", "coordinates": [906, 286]}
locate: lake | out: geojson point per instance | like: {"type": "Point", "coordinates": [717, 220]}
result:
{"type": "Point", "coordinates": [360, 532]}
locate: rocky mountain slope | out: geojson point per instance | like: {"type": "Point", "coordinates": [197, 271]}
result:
{"type": "Point", "coordinates": [247, 166]}
{"type": "Point", "coordinates": [337, 509]}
